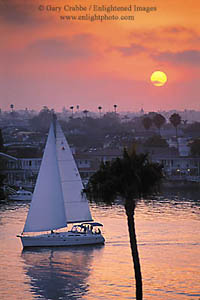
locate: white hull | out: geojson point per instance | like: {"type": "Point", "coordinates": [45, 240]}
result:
{"type": "Point", "coordinates": [62, 239]}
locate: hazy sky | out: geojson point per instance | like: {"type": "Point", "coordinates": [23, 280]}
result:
{"type": "Point", "coordinates": [57, 63]}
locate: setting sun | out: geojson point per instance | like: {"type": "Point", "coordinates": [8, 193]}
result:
{"type": "Point", "coordinates": [158, 78]}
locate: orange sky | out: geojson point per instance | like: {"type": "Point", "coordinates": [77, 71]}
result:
{"type": "Point", "coordinates": [54, 62]}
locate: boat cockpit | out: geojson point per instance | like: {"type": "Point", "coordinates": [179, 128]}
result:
{"type": "Point", "coordinates": [89, 227]}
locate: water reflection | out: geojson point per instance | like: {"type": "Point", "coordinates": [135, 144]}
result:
{"type": "Point", "coordinates": [168, 240]}
{"type": "Point", "coordinates": [183, 193]}
{"type": "Point", "coordinates": [57, 273]}
{"type": "Point", "coordinates": [9, 205]}
{"type": "Point", "coordinates": [173, 202]}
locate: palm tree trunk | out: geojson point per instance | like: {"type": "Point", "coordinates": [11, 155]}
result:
{"type": "Point", "coordinates": [177, 136]}
{"type": "Point", "coordinates": [133, 242]}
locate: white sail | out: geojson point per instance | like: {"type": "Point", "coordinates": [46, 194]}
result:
{"type": "Point", "coordinates": [76, 205]}
{"type": "Point", "coordinates": [47, 207]}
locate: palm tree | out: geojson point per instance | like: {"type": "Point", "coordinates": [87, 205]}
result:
{"type": "Point", "coordinates": [130, 178]}
{"type": "Point", "coordinates": [175, 120]}
{"type": "Point", "coordinates": [159, 121]}
{"type": "Point", "coordinates": [12, 107]}
{"type": "Point", "coordinates": [99, 108]}
{"type": "Point", "coordinates": [86, 112]}
{"type": "Point", "coordinates": [71, 107]}
{"type": "Point", "coordinates": [115, 108]}
{"type": "Point", "coordinates": [147, 122]}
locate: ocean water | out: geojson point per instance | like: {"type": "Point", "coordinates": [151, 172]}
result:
{"type": "Point", "coordinates": [168, 234]}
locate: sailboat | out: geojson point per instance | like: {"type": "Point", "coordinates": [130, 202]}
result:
{"type": "Point", "coordinates": [58, 200]}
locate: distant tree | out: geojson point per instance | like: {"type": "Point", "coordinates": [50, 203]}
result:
{"type": "Point", "coordinates": [110, 123]}
{"type": "Point", "coordinates": [42, 122]}
{"type": "Point", "coordinates": [13, 114]}
{"type": "Point", "coordinates": [99, 108]}
{"type": "Point", "coordinates": [193, 129]}
{"type": "Point", "coordinates": [12, 107]}
{"type": "Point", "coordinates": [152, 114]}
{"type": "Point", "coordinates": [72, 108]}
{"type": "Point", "coordinates": [159, 121]}
{"type": "Point", "coordinates": [156, 141]}
{"type": "Point", "coordinates": [195, 147]}
{"type": "Point", "coordinates": [115, 108]}
{"type": "Point", "coordinates": [74, 124]}
{"type": "Point", "coordinates": [130, 178]}
{"type": "Point", "coordinates": [86, 112]}
{"type": "Point", "coordinates": [110, 116]}
{"type": "Point", "coordinates": [175, 120]}
{"type": "Point", "coordinates": [147, 123]}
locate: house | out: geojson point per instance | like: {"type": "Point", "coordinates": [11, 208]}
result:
{"type": "Point", "coordinates": [178, 163]}
{"type": "Point", "coordinates": [19, 171]}
{"type": "Point", "coordinates": [178, 167]}
{"type": "Point", "coordinates": [24, 171]}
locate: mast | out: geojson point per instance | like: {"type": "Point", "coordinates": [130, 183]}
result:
{"type": "Point", "coordinates": [54, 119]}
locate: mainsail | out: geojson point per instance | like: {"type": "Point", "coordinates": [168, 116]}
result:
{"type": "Point", "coordinates": [47, 207]}
{"type": "Point", "coordinates": [57, 198]}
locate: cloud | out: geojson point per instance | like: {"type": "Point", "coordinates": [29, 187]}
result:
{"type": "Point", "coordinates": [173, 44]}
{"type": "Point", "coordinates": [191, 57]}
{"type": "Point", "coordinates": [59, 48]}
{"type": "Point", "coordinates": [181, 33]}
{"type": "Point", "coordinates": [165, 37]}
{"type": "Point", "coordinates": [133, 49]}
{"type": "Point", "coordinates": [20, 12]}
{"type": "Point", "coordinates": [162, 44]}
{"type": "Point", "coordinates": [176, 29]}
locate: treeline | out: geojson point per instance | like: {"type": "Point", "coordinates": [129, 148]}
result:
{"type": "Point", "coordinates": [110, 127]}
